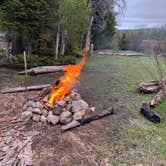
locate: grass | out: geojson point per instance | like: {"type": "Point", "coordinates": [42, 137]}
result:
{"type": "Point", "coordinates": [112, 80]}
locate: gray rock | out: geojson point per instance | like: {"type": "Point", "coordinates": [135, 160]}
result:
{"type": "Point", "coordinates": [52, 118]}
{"type": "Point", "coordinates": [57, 110]}
{"type": "Point", "coordinates": [30, 109]}
{"type": "Point", "coordinates": [31, 104]}
{"type": "Point", "coordinates": [61, 103]}
{"type": "Point", "coordinates": [25, 107]}
{"type": "Point", "coordinates": [66, 117]}
{"type": "Point", "coordinates": [27, 115]}
{"type": "Point", "coordinates": [39, 105]}
{"type": "Point", "coordinates": [43, 119]}
{"type": "Point", "coordinates": [79, 115]}
{"type": "Point", "coordinates": [67, 99]}
{"type": "Point", "coordinates": [79, 105]}
{"type": "Point", "coordinates": [48, 106]}
{"type": "Point", "coordinates": [36, 117]}
{"type": "Point", "coordinates": [37, 111]}
{"type": "Point", "coordinates": [74, 95]}
{"type": "Point", "coordinates": [45, 112]}
{"type": "Point", "coordinates": [68, 107]}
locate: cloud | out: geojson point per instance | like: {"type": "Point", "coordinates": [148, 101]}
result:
{"type": "Point", "coordinates": [143, 14]}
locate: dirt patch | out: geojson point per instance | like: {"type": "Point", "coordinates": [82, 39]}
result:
{"type": "Point", "coordinates": [87, 145]}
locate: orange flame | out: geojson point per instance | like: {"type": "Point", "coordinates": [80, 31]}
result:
{"type": "Point", "coordinates": [63, 88]}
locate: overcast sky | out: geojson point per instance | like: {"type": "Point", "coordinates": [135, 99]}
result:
{"type": "Point", "coordinates": [143, 14]}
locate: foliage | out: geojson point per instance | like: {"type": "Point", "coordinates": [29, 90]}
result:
{"type": "Point", "coordinates": [73, 16]}
{"type": "Point", "coordinates": [35, 61]}
{"type": "Point", "coordinates": [123, 42]}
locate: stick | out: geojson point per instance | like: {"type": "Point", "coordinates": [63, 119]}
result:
{"type": "Point", "coordinates": [26, 76]}
{"type": "Point", "coordinates": [81, 122]}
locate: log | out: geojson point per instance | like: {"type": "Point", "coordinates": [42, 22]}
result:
{"type": "Point", "coordinates": [89, 119]}
{"type": "Point", "coordinates": [161, 95]}
{"type": "Point", "coordinates": [22, 89]}
{"type": "Point", "coordinates": [43, 69]}
{"type": "Point", "coordinates": [150, 87]}
{"type": "Point", "coordinates": [149, 114]}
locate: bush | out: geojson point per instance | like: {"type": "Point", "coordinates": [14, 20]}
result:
{"type": "Point", "coordinates": [35, 61]}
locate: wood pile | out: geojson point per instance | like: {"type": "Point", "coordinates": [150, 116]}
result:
{"type": "Point", "coordinates": [157, 87]}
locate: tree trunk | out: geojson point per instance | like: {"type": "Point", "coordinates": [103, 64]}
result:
{"type": "Point", "coordinates": [57, 42]}
{"type": "Point", "coordinates": [62, 51]}
{"type": "Point", "coordinates": [19, 47]}
{"type": "Point", "coordinates": [88, 36]}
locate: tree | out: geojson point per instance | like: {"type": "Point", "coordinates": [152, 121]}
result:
{"type": "Point", "coordinates": [23, 20]}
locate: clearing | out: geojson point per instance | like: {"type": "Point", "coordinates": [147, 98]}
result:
{"type": "Point", "coordinates": [125, 138]}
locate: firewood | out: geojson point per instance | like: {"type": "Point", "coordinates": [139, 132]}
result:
{"type": "Point", "coordinates": [149, 114]}
{"type": "Point", "coordinates": [150, 87]}
{"type": "Point", "coordinates": [43, 69]}
{"type": "Point", "coordinates": [89, 119]}
{"type": "Point", "coordinates": [22, 89]}
{"type": "Point", "coordinates": [161, 95]}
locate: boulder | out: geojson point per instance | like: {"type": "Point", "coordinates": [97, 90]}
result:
{"type": "Point", "coordinates": [52, 118]}
{"type": "Point", "coordinates": [25, 107]}
{"type": "Point", "coordinates": [37, 111]}
{"type": "Point", "coordinates": [79, 115]}
{"type": "Point", "coordinates": [36, 117]}
{"type": "Point", "coordinates": [74, 95]}
{"type": "Point", "coordinates": [66, 117]}
{"type": "Point", "coordinates": [48, 106]}
{"type": "Point", "coordinates": [79, 105]}
{"type": "Point", "coordinates": [27, 115]}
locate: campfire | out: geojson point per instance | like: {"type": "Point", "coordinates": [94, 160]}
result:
{"type": "Point", "coordinates": [59, 103]}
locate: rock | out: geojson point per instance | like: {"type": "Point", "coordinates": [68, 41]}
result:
{"type": "Point", "coordinates": [30, 109]}
{"type": "Point", "coordinates": [74, 95]}
{"type": "Point", "coordinates": [67, 99]}
{"type": "Point", "coordinates": [45, 112]}
{"type": "Point", "coordinates": [61, 103]}
{"type": "Point", "coordinates": [48, 106]}
{"type": "Point", "coordinates": [68, 107]}
{"type": "Point", "coordinates": [39, 105]}
{"type": "Point", "coordinates": [57, 110]}
{"type": "Point", "coordinates": [79, 105]}
{"type": "Point", "coordinates": [92, 109]}
{"type": "Point", "coordinates": [27, 115]}
{"type": "Point", "coordinates": [66, 117]}
{"type": "Point", "coordinates": [36, 117]}
{"type": "Point", "coordinates": [25, 107]}
{"type": "Point", "coordinates": [37, 111]}
{"type": "Point", "coordinates": [79, 115]}
{"type": "Point", "coordinates": [43, 119]}
{"type": "Point", "coordinates": [31, 104]}
{"type": "Point", "coordinates": [52, 118]}
{"type": "Point", "coordinates": [139, 165]}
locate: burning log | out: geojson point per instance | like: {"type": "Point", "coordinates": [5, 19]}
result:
{"type": "Point", "coordinates": [21, 89]}
{"type": "Point", "coordinates": [149, 114]}
{"type": "Point", "coordinates": [161, 95]}
{"type": "Point", "coordinates": [78, 123]}
{"type": "Point", "coordinates": [150, 87]}
{"type": "Point", "coordinates": [43, 69]}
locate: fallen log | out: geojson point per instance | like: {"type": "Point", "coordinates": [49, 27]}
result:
{"type": "Point", "coordinates": [149, 114]}
{"type": "Point", "coordinates": [22, 89]}
{"type": "Point", "coordinates": [78, 123]}
{"type": "Point", "coordinates": [43, 69]}
{"type": "Point", "coordinates": [161, 95]}
{"type": "Point", "coordinates": [150, 87]}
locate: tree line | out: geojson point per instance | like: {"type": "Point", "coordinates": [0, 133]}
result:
{"type": "Point", "coordinates": [57, 27]}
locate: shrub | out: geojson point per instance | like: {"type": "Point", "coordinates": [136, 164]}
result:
{"type": "Point", "coordinates": [35, 61]}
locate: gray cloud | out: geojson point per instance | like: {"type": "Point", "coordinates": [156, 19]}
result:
{"type": "Point", "coordinates": [143, 14]}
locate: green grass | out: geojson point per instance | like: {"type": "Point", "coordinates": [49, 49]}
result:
{"type": "Point", "coordinates": [112, 80]}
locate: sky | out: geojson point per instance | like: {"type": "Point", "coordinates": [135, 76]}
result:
{"type": "Point", "coordinates": [143, 14]}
